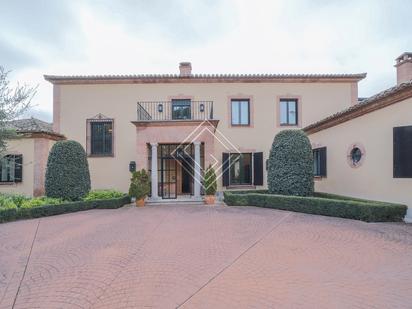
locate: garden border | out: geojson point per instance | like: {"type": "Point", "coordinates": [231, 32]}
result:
{"type": "Point", "coordinates": [7, 215]}
{"type": "Point", "coordinates": [320, 204]}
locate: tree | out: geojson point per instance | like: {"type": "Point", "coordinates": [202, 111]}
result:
{"type": "Point", "coordinates": [14, 102]}
{"type": "Point", "coordinates": [290, 170]}
{"type": "Point", "coordinates": [139, 184]}
{"type": "Point", "coordinates": [67, 173]}
{"type": "Point", "coordinates": [210, 181]}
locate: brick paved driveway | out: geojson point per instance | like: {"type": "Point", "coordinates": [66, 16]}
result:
{"type": "Point", "coordinates": [204, 257]}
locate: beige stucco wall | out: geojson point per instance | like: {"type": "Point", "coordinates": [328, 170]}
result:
{"type": "Point", "coordinates": [374, 178]}
{"type": "Point", "coordinates": [35, 153]}
{"type": "Point", "coordinates": [118, 101]}
{"type": "Point", "coordinates": [25, 147]}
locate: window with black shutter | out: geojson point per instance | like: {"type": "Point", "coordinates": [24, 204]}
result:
{"type": "Point", "coordinates": [242, 169]}
{"type": "Point", "coordinates": [319, 162]}
{"type": "Point", "coordinates": [402, 152]}
{"type": "Point", "coordinates": [11, 168]}
{"type": "Point", "coordinates": [101, 138]}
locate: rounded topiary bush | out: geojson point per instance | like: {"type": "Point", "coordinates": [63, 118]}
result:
{"type": "Point", "coordinates": [290, 166]}
{"type": "Point", "coordinates": [67, 174]}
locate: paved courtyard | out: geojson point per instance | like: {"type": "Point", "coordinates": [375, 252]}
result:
{"type": "Point", "coordinates": [203, 257]}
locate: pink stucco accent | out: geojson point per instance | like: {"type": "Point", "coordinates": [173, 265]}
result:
{"type": "Point", "coordinates": [300, 116]}
{"type": "Point", "coordinates": [180, 96]}
{"type": "Point", "coordinates": [177, 133]}
{"type": "Point", "coordinates": [240, 96]}
{"type": "Point", "coordinates": [56, 108]}
{"type": "Point", "coordinates": [88, 136]}
{"type": "Point", "coordinates": [41, 153]}
{"type": "Point", "coordinates": [348, 155]}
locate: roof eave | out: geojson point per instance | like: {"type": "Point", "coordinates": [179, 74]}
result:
{"type": "Point", "coordinates": [37, 134]}
{"type": "Point", "coordinates": [281, 78]}
{"type": "Point", "coordinates": [360, 110]}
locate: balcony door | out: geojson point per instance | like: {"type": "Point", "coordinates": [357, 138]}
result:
{"type": "Point", "coordinates": [181, 109]}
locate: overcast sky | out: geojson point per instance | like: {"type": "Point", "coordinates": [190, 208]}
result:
{"type": "Point", "coordinates": [137, 36]}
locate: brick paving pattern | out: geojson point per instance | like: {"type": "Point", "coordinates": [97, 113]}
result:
{"type": "Point", "coordinates": [204, 257]}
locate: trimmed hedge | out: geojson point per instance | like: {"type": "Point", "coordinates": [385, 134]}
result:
{"type": "Point", "coordinates": [67, 173]}
{"type": "Point", "coordinates": [290, 164]}
{"type": "Point", "coordinates": [12, 214]}
{"type": "Point", "coordinates": [321, 204]}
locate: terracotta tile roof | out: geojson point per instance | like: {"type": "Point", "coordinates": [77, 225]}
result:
{"type": "Point", "coordinates": [380, 100]}
{"type": "Point", "coordinates": [167, 78]}
{"type": "Point", "coordinates": [32, 125]}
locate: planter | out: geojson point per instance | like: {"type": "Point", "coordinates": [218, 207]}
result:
{"type": "Point", "coordinates": [210, 199]}
{"type": "Point", "coordinates": [140, 202]}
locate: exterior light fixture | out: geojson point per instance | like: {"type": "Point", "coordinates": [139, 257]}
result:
{"type": "Point", "coordinates": [202, 107]}
{"type": "Point", "coordinates": [160, 108]}
{"type": "Point", "coordinates": [132, 166]}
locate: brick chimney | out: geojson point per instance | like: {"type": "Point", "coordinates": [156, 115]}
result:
{"type": "Point", "coordinates": [404, 68]}
{"type": "Point", "coordinates": [185, 69]}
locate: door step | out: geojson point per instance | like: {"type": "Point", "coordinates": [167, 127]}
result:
{"type": "Point", "coordinates": [178, 201]}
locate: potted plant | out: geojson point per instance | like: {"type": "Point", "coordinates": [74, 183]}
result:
{"type": "Point", "coordinates": [139, 186]}
{"type": "Point", "coordinates": [210, 185]}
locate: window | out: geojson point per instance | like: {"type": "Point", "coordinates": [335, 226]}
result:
{"type": "Point", "coordinates": [11, 168]}
{"type": "Point", "coordinates": [288, 112]}
{"type": "Point", "coordinates": [181, 109]}
{"type": "Point", "coordinates": [101, 138]}
{"type": "Point", "coordinates": [240, 169]}
{"type": "Point", "coordinates": [402, 152]}
{"type": "Point", "coordinates": [240, 112]}
{"type": "Point", "coordinates": [319, 162]}
{"type": "Point", "coordinates": [356, 155]}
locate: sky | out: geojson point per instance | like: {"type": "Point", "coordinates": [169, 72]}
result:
{"type": "Point", "coordinates": [74, 37]}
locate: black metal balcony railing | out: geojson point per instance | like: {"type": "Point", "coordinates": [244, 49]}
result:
{"type": "Point", "coordinates": [175, 110]}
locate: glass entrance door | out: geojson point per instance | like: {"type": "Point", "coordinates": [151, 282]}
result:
{"type": "Point", "coordinates": [168, 178]}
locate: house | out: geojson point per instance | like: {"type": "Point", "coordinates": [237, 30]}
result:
{"type": "Point", "coordinates": [23, 167]}
{"type": "Point", "coordinates": [176, 125]}
{"type": "Point", "coordinates": [366, 150]}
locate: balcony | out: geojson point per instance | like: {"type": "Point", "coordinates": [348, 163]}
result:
{"type": "Point", "coordinates": [175, 110]}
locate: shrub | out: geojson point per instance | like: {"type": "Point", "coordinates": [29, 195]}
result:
{"type": "Point", "coordinates": [139, 184]}
{"type": "Point", "coordinates": [56, 209]}
{"type": "Point", "coordinates": [103, 195]}
{"type": "Point", "coordinates": [11, 200]}
{"type": "Point", "coordinates": [8, 204]}
{"type": "Point", "coordinates": [290, 170]}
{"type": "Point", "coordinates": [210, 181]}
{"type": "Point", "coordinates": [67, 174]}
{"type": "Point", "coordinates": [40, 201]}
{"type": "Point", "coordinates": [344, 207]}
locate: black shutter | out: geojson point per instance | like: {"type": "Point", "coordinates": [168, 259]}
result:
{"type": "Point", "coordinates": [225, 169]}
{"type": "Point", "coordinates": [323, 160]}
{"type": "Point", "coordinates": [258, 168]}
{"type": "Point", "coordinates": [18, 168]}
{"type": "Point", "coordinates": [402, 152]}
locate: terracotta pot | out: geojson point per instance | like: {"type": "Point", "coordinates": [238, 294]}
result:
{"type": "Point", "coordinates": [140, 203]}
{"type": "Point", "coordinates": [209, 199]}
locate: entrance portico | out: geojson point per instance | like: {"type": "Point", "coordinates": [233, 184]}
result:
{"type": "Point", "coordinates": [176, 170]}
{"type": "Point", "coordinates": [174, 160]}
